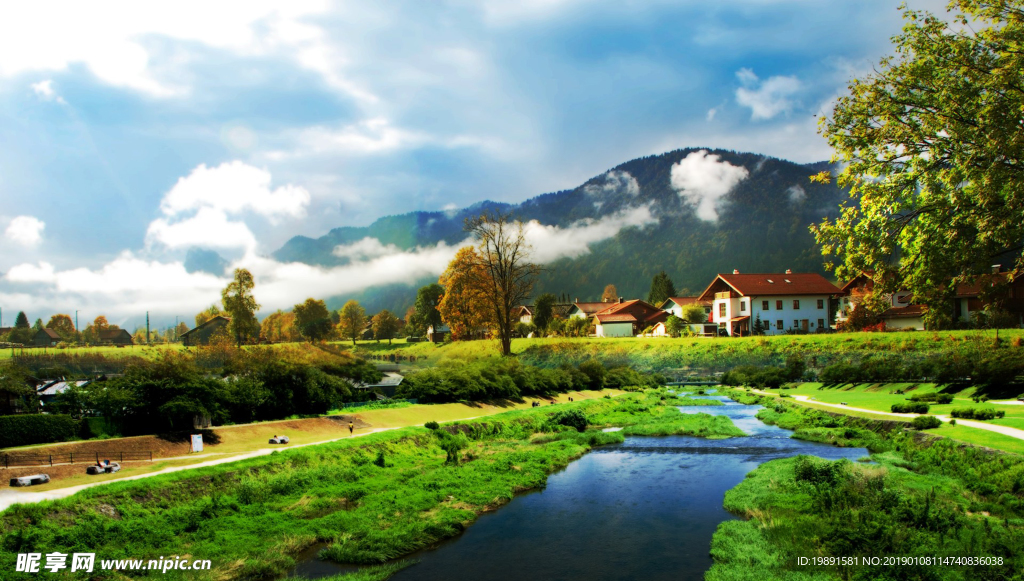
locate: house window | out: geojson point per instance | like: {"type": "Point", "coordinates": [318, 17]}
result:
{"type": "Point", "coordinates": [821, 303]}
{"type": "Point", "coordinates": [743, 306]}
{"type": "Point", "coordinates": [796, 304]}
{"type": "Point", "coordinates": [764, 305]}
{"type": "Point", "coordinates": [778, 324]}
{"type": "Point", "coordinates": [821, 323]}
{"type": "Point", "coordinates": [721, 309]}
{"type": "Point", "coordinates": [796, 323]}
{"type": "Point", "coordinates": [778, 307]}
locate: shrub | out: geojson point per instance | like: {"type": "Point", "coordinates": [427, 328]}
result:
{"type": "Point", "coordinates": [977, 414]}
{"type": "Point", "coordinates": [926, 422]}
{"type": "Point", "coordinates": [573, 418]}
{"type": "Point", "coordinates": [380, 460]}
{"type": "Point", "coordinates": [431, 425]}
{"type": "Point", "coordinates": [938, 398]}
{"type": "Point", "coordinates": [912, 407]}
{"type": "Point", "coordinates": [23, 430]}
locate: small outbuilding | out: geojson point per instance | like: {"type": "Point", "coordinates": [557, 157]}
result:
{"type": "Point", "coordinates": [46, 338]}
{"type": "Point", "coordinates": [202, 334]}
{"type": "Point", "coordinates": [115, 337]}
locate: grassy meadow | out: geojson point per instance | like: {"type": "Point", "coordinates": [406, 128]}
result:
{"type": "Point", "coordinates": [367, 500]}
{"type": "Point", "coordinates": [920, 497]}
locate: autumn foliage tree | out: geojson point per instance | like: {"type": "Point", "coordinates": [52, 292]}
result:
{"type": "Point", "coordinates": [313, 320]}
{"type": "Point", "coordinates": [353, 321]}
{"type": "Point", "coordinates": [63, 326]}
{"type": "Point", "coordinates": [464, 304]}
{"type": "Point", "coordinates": [241, 306]}
{"type": "Point", "coordinates": [279, 327]}
{"type": "Point", "coordinates": [385, 325]}
{"type": "Point", "coordinates": [610, 294]}
{"type": "Point", "coordinates": [503, 255]}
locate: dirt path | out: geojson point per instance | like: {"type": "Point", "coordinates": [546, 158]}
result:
{"type": "Point", "coordinates": [1004, 430]}
{"type": "Point", "coordinates": [9, 496]}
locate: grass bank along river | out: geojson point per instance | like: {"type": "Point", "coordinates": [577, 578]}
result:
{"type": "Point", "coordinates": [370, 500]}
{"type": "Point", "coordinates": [923, 498]}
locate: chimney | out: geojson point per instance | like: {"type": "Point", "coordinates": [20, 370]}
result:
{"type": "Point", "coordinates": [734, 271]}
{"type": "Point", "coordinates": [577, 299]}
{"type": "Point", "coordinates": [788, 271]}
{"type": "Point", "coordinates": [620, 299]}
{"type": "Point", "coordinates": [997, 268]}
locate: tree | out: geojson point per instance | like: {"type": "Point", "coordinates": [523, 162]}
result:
{"type": "Point", "coordinates": [21, 321]}
{"type": "Point", "coordinates": [610, 294]}
{"type": "Point", "coordinates": [279, 327]}
{"type": "Point", "coordinates": [313, 320]}
{"type": "Point", "coordinates": [353, 321]}
{"type": "Point", "coordinates": [934, 156]}
{"type": "Point", "coordinates": [63, 326]}
{"type": "Point", "coordinates": [91, 334]}
{"type": "Point", "coordinates": [427, 300]}
{"type": "Point", "coordinates": [209, 313]}
{"type": "Point", "coordinates": [694, 314]}
{"type": "Point", "coordinates": [542, 310]}
{"type": "Point", "coordinates": [180, 330]}
{"type": "Point", "coordinates": [385, 325]}
{"type": "Point", "coordinates": [509, 275]}
{"type": "Point", "coordinates": [22, 331]}
{"type": "Point", "coordinates": [241, 306]}
{"type": "Point", "coordinates": [662, 288]}
{"type": "Point", "coordinates": [38, 326]}
{"type": "Point", "coordinates": [412, 324]}
{"type": "Point", "coordinates": [463, 306]}
{"type": "Point", "coordinates": [674, 325]}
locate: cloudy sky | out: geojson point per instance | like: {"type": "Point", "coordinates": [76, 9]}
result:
{"type": "Point", "coordinates": [131, 131]}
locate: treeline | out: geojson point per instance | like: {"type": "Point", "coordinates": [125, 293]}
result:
{"type": "Point", "coordinates": [169, 393]}
{"type": "Point", "coordinates": [509, 379]}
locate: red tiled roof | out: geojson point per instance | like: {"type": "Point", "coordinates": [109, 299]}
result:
{"type": "Point", "coordinates": [773, 284]}
{"type": "Point", "coordinates": [635, 311]}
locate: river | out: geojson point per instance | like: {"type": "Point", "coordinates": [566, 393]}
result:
{"type": "Point", "coordinates": [643, 509]}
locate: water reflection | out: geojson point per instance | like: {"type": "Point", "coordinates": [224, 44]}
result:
{"type": "Point", "coordinates": [643, 509]}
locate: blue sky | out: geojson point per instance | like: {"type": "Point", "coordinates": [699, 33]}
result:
{"type": "Point", "coordinates": [127, 129]}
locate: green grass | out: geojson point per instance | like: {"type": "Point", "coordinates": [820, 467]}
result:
{"type": "Point", "coordinates": [251, 517]}
{"type": "Point", "coordinates": [923, 496]}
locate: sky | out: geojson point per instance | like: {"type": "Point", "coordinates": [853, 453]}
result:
{"type": "Point", "coordinates": [133, 131]}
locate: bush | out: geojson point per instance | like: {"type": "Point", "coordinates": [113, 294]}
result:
{"type": "Point", "coordinates": [926, 422]}
{"type": "Point", "coordinates": [913, 407]}
{"type": "Point", "coordinates": [938, 398]}
{"type": "Point", "coordinates": [574, 418]}
{"type": "Point", "coordinates": [431, 425]}
{"type": "Point", "coordinates": [977, 414]}
{"type": "Point", "coordinates": [27, 429]}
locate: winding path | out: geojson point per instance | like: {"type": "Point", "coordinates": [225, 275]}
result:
{"type": "Point", "coordinates": [1004, 430]}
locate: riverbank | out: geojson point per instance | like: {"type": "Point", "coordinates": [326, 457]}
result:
{"type": "Point", "coordinates": [370, 500]}
{"type": "Point", "coordinates": [922, 497]}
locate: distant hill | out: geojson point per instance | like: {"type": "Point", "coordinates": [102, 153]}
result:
{"type": "Point", "coordinates": [762, 227]}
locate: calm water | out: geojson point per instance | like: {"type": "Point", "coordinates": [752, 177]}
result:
{"type": "Point", "coordinates": [643, 509]}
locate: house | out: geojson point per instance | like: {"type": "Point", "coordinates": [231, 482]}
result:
{"type": "Point", "coordinates": [46, 338]}
{"type": "Point", "coordinates": [793, 302]}
{"type": "Point", "coordinates": [627, 318]}
{"type": "Point", "coordinates": [971, 298]}
{"type": "Point", "coordinates": [387, 385]}
{"type": "Point", "coordinates": [49, 390]}
{"type": "Point", "coordinates": [586, 310]}
{"type": "Point", "coordinates": [437, 334]}
{"type": "Point", "coordinates": [202, 334]}
{"type": "Point", "coordinates": [905, 317]}
{"type": "Point", "coordinates": [523, 314]}
{"type": "Point", "coordinates": [115, 337]}
{"type": "Point", "coordinates": [674, 305]}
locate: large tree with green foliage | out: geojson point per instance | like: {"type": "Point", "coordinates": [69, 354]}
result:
{"type": "Point", "coordinates": [427, 300]}
{"type": "Point", "coordinates": [353, 321]}
{"type": "Point", "coordinates": [241, 306]}
{"type": "Point", "coordinates": [933, 149]}
{"type": "Point", "coordinates": [543, 308]}
{"type": "Point", "coordinates": [313, 320]}
{"type": "Point", "coordinates": [662, 288]}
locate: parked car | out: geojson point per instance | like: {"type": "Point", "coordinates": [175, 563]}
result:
{"type": "Point", "coordinates": [105, 467]}
{"type": "Point", "coordinates": [279, 440]}
{"type": "Point", "coordinates": [31, 480]}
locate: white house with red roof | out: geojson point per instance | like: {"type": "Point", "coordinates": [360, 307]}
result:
{"type": "Point", "coordinates": [786, 302]}
{"type": "Point", "coordinates": [627, 318]}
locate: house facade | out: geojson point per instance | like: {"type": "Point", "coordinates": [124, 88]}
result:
{"type": "Point", "coordinates": [438, 333]}
{"type": "Point", "coordinates": [46, 338]}
{"type": "Point", "coordinates": [202, 334]}
{"type": "Point", "coordinates": [115, 337]}
{"type": "Point", "coordinates": [784, 302]}
{"type": "Point", "coordinates": [583, 310]}
{"type": "Point", "coordinates": [627, 318]}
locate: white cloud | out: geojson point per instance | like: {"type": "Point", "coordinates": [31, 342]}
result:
{"type": "Point", "coordinates": [796, 193]}
{"type": "Point", "coordinates": [111, 39]}
{"type": "Point", "coordinates": [767, 98]}
{"type": "Point", "coordinates": [703, 180]}
{"type": "Point", "coordinates": [711, 113]}
{"type": "Point", "coordinates": [363, 249]}
{"type": "Point", "coordinates": [44, 90]}
{"type": "Point", "coordinates": [29, 273]}
{"type": "Point", "coordinates": [234, 187]}
{"type": "Point", "coordinates": [208, 227]}
{"type": "Point", "coordinates": [614, 182]}
{"type": "Point", "coordinates": [551, 242]}
{"type": "Point", "coordinates": [25, 230]}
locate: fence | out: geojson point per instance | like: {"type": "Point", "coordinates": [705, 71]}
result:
{"type": "Point", "coordinates": [10, 460]}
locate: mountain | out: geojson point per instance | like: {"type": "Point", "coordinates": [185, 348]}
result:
{"type": "Point", "coordinates": [762, 226]}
